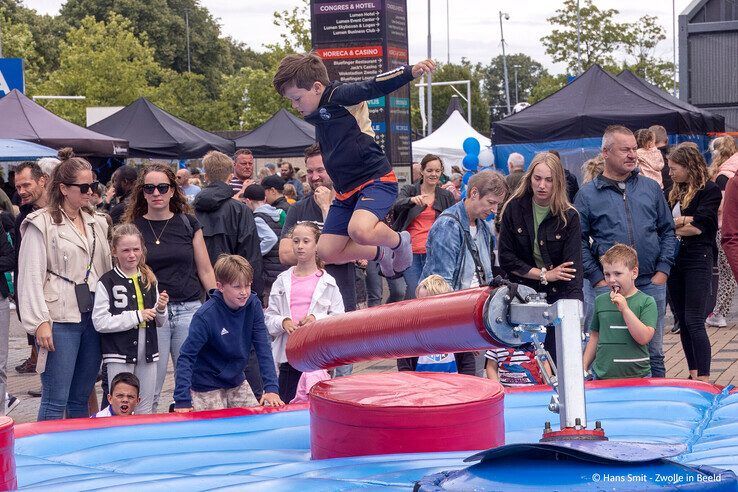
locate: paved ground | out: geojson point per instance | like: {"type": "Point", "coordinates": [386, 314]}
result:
{"type": "Point", "coordinates": [724, 364]}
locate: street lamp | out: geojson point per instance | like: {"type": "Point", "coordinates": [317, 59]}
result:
{"type": "Point", "coordinates": [515, 68]}
{"type": "Point", "coordinates": [504, 60]}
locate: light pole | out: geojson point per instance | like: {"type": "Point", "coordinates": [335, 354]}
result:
{"type": "Point", "coordinates": [429, 102]}
{"type": "Point", "coordinates": [187, 28]}
{"type": "Point", "coordinates": [515, 68]}
{"type": "Point", "coordinates": [673, 42]}
{"type": "Point", "coordinates": [579, 41]}
{"type": "Point", "coordinates": [448, 35]}
{"type": "Point", "coordinates": [504, 61]}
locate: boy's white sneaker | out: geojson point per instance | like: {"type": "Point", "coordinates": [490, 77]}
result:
{"type": "Point", "coordinates": [403, 253]}
{"type": "Point", "coordinates": [717, 320]}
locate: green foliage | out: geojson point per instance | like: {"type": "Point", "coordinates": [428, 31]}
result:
{"type": "Point", "coordinates": [530, 72]}
{"type": "Point", "coordinates": [251, 98]}
{"type": "Point", "coordinates": [294, 25]}
{"type": "Point", "coordinates": [103, 61]}
{"type": "Point", "coordinates": [641, 41]}
{"type": "Point", "coordinates": [602, 38]}
{"type": "Point", "coordinates": [185, 96]}
{"type": "Point", "coordinates": [18, 42]}
{"type": "Point", "coordinates": [600, 35]}
{"type": "Point", "coordinates": [547, 85]}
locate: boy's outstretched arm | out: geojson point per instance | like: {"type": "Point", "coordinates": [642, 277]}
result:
{"type": "Point", "coordinates": [349, 94]}
{"type": "Point", "coordinates": [591, 350]}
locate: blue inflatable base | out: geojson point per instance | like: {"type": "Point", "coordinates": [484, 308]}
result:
{"type": "Point", "coordinates": [271, 452]}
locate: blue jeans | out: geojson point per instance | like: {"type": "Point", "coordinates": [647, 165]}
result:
{"type": "Point", "coordinates": [656, 345]}
{"type": "Point", "coordinates": [71, 370]}
{"type": "Point", "coordinates": [170, 337]}
{"type": "Point", "coordinates": [374, 286]}
{"type": "Point", "coordinates": [413, 275]}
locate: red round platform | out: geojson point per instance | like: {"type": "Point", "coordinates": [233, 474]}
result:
{"type": "Point", "coordinates": [7, 458]}
{"type": "Point", "coordinates": [405, 412]}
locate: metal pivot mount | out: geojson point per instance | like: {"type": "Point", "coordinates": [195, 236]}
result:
{"type": "Point", "coordinates": [516, 315]}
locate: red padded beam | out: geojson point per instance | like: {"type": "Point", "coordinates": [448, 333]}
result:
{"type": "Point", "coordinates": [433, 325]}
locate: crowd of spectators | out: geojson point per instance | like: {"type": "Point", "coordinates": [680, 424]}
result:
{"type": "Point", "coordinates": [213, 269]}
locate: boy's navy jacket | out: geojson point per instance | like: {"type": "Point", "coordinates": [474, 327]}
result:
{"type": "Point", "coordinates": [216, 351]}
{"type": "Point", "coordinates": [344, 131]}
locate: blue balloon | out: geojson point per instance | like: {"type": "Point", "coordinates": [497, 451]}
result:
{"type": "Point", "coordinates": [470, 162]}
{"type": "Point", "coordinates": [471, 146]}
{"type": "Point", "coordinates": [467, 177]}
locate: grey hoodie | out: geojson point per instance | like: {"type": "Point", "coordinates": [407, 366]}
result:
{"type": "Point", "coordinates": [266, 234]}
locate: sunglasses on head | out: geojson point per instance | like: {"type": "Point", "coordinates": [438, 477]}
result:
{"type": "Point", "coordinates": [84, 187]}
{"type": "Point", "coordinates": [162, 187]}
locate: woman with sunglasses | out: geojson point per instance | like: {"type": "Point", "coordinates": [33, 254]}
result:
{"type": "Point", "coordinates": [63, 253]}
{"type": "Point", "coordinates": [176, 253]}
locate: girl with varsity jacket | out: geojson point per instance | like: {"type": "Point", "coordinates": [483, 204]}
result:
{"type": "Point", "coordinates": [128, 309]}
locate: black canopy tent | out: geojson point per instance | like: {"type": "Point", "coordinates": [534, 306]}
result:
{"type": "Point", "coordinates": [573, 119]}
{"type": "Point", "coordinates": [714, 122]}
{"type": "Point", "coordinates": [154, 133]}
{"type": "Point", "coordinates": [282, 135]}
{"type": "Point", "coordinates": [23, 119]}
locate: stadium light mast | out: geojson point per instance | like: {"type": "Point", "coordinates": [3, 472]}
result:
{"type": "Point", "coordinates": [504, 61]}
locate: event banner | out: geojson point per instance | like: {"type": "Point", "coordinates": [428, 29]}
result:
{"type": "Point", "coordinates": [358, 40]}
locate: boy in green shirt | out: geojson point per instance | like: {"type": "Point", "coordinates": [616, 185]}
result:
{"type": "Point", "coordinates": [623, 321]}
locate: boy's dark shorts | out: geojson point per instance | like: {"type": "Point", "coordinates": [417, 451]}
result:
{"type": "Point", "coordinates": [377, 197]}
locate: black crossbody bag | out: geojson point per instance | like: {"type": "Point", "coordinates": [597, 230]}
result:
{"type": "Point", "coordinates": [85, 300]}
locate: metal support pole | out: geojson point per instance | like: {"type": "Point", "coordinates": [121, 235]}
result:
{"type": "Point", "coordinates": [579, 41]}
{"type": "Point", "coordinates": [448, 35]}
{"type": "Point", "coordinates": [572, 408]}
{"type": "Point", "coordinates": [515, 68]}
{"type": "Point", "coordinates": [673, 43]}
{"type": "Point", "coordinates": [187, 28]}
{"type": "Point", "coordinates": [504, 63]}
{"type": "Point", "coordinates": [429, 78]}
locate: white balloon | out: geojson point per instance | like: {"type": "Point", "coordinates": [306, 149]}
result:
{"type": "Point", "coordinates": [486, 158]}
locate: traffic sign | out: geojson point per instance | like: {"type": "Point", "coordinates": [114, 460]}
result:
{"type": "Point", "coordinates": [11, 75]}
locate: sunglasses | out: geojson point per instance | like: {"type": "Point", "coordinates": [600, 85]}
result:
{"type": "Point", "coordinates": [85, 188]}
{"type": "Point", "coordinates": [162, 187]}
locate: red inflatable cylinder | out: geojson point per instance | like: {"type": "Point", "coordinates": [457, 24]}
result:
{"type": "Point", "coordinates": [8, 480]}
{"type": "Point", "coordinates": [439, 324]}
{"type": "Point", "coordinates": [407, 412]}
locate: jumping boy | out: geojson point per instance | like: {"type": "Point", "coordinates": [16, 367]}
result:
{"type": "Point", "coordinates": [211, 364]}
{"type": "Point", "coordinates": [123, 397]}
{"type": "Point", "coordinates": [623, 322]}
{"type": "Point", "coordinates": [365, 185]}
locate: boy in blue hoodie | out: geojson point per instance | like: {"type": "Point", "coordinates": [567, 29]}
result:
{"type": "Point", "coordinates": [211, 364]}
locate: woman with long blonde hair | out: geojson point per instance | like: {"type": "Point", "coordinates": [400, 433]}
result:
{"type": "Point", "coordinates": [723, 168]}
{"type": "Point", "coordinates": [540, 242]}
{"type": "Point", "coordinates": [695, 201]}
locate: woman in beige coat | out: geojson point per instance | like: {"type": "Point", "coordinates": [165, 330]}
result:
{"type": "Point", "coordinates": [64, 249]}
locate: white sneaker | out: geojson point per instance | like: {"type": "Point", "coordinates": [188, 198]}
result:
{"type": "Point", "coordinates": [717, 320]}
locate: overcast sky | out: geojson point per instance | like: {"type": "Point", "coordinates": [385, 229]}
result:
{"type": "Point", "coordinates": [474, 24]}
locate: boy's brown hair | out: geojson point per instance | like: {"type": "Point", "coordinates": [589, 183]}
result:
{"type": "Point", "coordinates": [233, 268]}
{"type": "Point", "coordinates": [300, 70]}
{"type": "Point", "coordinates": [621, 253]}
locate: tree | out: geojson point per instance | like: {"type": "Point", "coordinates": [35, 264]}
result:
{"type": "Point", "coordinates": [641, 41]}
{"type": "Point", "coordinates": [547, 85]}
{"type": "Point", "coordinates": [601, 36]}
{"type": "Point", "coordinates": [106, 63]}
{"type": "Point", "coordinates": [251, 98]}
{"type": "Point", "coordinates": [163, 22]}
{"type": "Point", "coordinates": [18, 42]}
{"type": "Point", "coordinates": [185, 96]}
{"type": "Point", "coordinates": [530, 73]}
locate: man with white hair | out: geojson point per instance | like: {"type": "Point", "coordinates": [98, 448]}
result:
{"type": "Point", "coordinates": [516, 169]}
{"type": "Point", "coordinates": [48, 164]}
{"type": "Point", "coordinates": [621, 206]}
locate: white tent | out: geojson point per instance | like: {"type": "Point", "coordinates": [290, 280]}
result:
{"type": "Point", "coordinates": [447, 141]}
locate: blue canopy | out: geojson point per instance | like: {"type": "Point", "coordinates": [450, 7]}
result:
{"type": "Point", "coordinates": [19, 150]}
